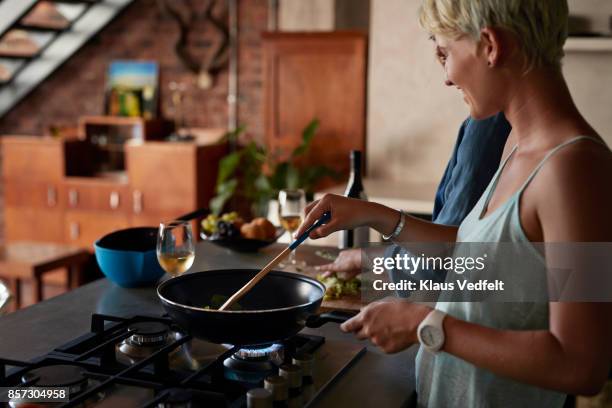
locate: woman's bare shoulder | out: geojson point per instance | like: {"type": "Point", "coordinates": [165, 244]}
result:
{"type": "Point", "coordinates": [580, 161]}
{"type": "Point", "coordinates": [575, 187]}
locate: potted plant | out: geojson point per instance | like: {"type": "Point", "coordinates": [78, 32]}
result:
{"type": "Point", "coordinates": [254, 175]}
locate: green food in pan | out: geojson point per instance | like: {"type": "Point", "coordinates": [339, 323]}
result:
{"type": "Point", "coordinates": [216, 301]}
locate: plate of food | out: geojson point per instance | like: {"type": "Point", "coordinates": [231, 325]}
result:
{"type": "Point", "coordinates": [231, 231]}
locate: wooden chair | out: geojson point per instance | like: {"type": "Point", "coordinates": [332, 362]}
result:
{"type": "Point", "coordinates": [30, 261]}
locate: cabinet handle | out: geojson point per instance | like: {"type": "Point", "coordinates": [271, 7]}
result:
{"type": "Point", "coordinates": [137, 196]}
{"type": "Point", "coordinates": [114, 200]}
{"type": "Point", "coordinates": [51, 196]}
{"type": "Point", "coordinates": [73, 197]}
{"type": "Point", "coordinates": [74, 230]}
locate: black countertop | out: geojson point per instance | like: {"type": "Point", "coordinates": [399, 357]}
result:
{"type": "Point", "coordinates": [376, 380]}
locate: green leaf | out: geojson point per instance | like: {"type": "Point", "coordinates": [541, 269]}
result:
{"type": "Point", "coordinates": [225, 191]}
{"type": "Point", "coordinates": [308, 134]}
{"type": "Point", "coordinates": [293, 178]}
{"type": "Point", "coordinates": [313, 174]}
{"type": "Point", "coordinates": [262, 184]}
{"type": "Point", "coordinates": [278, 179]}
{"type": "Point", "coordinates": [232, 136]}
{"type": "Point", "coordinates": [228, 165]}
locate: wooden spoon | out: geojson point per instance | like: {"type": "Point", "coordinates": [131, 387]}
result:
{"type": "Point", "coordinates": [261, 274]}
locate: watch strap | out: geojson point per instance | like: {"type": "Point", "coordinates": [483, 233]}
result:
{"type": "Point", "coordinates": [434, 318]}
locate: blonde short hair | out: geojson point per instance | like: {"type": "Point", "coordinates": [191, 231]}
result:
{"type": "Point", "coordinates": [539, 25]}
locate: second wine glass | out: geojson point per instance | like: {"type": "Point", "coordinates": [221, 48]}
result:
{"type": "Point", "coordinates": [291, 205]}
{"type": "Point", "coordinates": [175, 248]}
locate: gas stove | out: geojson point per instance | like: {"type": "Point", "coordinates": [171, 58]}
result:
{"type": "Point", "coordinates": [148, 361]}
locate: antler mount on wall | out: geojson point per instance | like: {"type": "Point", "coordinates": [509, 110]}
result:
{"type": "Point", "coordinates": [187, 17]}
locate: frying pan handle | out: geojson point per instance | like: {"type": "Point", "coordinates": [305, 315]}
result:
{"type": "Point", "coordinates": [335, 316]}
{"type": "Point", "coordinates": [194, 214]}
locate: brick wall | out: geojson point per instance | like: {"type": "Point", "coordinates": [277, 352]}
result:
{"type": "Point", "coordinates": [144, 32]}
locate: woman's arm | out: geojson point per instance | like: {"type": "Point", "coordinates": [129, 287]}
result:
{"type": "Point", "coordinates": [349, 213]}
{"type": "Point", "coordinates": [572, 357]}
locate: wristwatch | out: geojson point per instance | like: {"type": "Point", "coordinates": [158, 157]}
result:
{"type": "Point", "coordinates": [431, 331]}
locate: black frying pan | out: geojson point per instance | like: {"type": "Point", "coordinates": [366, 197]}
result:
{"type": "Point", "coordinates": [275, 309]}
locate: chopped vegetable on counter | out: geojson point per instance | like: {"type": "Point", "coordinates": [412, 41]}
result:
{"type": "Point", "coordinates": [336, 287]}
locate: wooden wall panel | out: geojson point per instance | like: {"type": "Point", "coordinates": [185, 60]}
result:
{"type": "Point", "coordinates": [316, 75]}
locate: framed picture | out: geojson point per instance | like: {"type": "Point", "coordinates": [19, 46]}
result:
{"type": "Point", "coordinates": [132, 89]}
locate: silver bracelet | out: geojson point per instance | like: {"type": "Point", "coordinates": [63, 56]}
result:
{"type": "Point", "coordinates": [398, 228]}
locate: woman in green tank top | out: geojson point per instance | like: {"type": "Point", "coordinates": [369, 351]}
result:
{"type": "Point", "coordinates": [503, 56]}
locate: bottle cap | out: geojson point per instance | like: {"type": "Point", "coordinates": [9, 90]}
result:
{"type": "Point", "coordinates": [292, 373]}
{"type": "Point", "coordinates": [259, 398]}
{"type": "Point", "coordinates": [278, 386]}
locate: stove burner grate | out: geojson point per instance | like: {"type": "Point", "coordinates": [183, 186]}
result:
{"type": "Point", "coordinates": [59, 375]}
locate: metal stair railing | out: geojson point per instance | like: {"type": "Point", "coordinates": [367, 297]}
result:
{"type": "Point", "coordinates": [60, 44]}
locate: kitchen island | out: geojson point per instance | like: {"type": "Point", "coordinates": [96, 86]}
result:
{"type": "Point", "coordinates": [375, 379]}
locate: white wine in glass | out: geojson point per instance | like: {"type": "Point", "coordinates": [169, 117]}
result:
{"type": "Point", "coordinates": [291, 205]}
{"type": "Point", "coordinates": [290, 222]}
{"type": "Point", "coordinates": [175, 249]}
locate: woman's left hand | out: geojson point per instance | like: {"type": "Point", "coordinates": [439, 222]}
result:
{"type": "Point", "coordinates": [389, 324]}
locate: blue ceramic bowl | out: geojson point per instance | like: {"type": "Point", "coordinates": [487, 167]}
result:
{"type": "Point", "coordinates": [127, 257]}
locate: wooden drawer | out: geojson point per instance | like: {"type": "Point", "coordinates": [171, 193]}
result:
{"type": "Point", "coordinates": [162, 177]}
{"type": "Point", "coordinates": [83, 228]}
{"type": "Point", "coordinates": [96, 195]}
{"type": "Point", "coordinates": [33, 224]}
{"type": "Point", "coordinates": [32, 158]}
{"type": "Point", "coordinates": [33, 194]}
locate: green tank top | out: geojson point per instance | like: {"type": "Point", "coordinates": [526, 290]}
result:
{"type": "Point", "coordinates": [444, 380]}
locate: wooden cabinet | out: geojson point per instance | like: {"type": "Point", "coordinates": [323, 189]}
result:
{"type": "Point", "coordinates": [33, 224]}
{"type": "Point", "coordinates": [32, 170]}
{"type": "Point", "coordinates": [46, 200]}
{"type": "Point", "coordinates": [316, 75]}
{"type": "Point", "coordinates": [30, 158]}
{"type": "Point", "coordinates": [171, 179]}
{"type": "Point", "coordinates": [91, 194]}
{"type": "Point", "coordinates": [163, 178]}
{"type": "Point", "coordinates": [83, 228]}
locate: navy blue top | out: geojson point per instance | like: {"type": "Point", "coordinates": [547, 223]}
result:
{"type": "Point", "coordinates": [475, 160]}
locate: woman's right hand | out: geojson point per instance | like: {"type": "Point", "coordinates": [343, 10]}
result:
{"type": "Point", "coordinates": [346, 213]}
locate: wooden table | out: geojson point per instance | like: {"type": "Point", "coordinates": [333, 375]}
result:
{"type": "Point", "coordinates": [29, 261]}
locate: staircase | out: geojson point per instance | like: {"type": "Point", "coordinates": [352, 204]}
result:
{"type": "Point", "coordinates": [38, 36]}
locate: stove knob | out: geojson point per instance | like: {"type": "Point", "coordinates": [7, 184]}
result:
{"type": "Point", "coordinates": [278, 386]}
{"type": "Point", "coordinates": [292, 373]}
{"type": "Point", "coordinates": [259, 398]}
{"type": "Point", "coordinates": [305, 362]}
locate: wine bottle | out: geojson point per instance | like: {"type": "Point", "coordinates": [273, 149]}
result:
{"type": "Point", "coordinates": [358, 237]}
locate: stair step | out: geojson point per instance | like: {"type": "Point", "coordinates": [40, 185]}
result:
{"type": "Point", "coordinates": [9, 68]}
{"type": "Point", "coordinates": [45, 16]}
{"type": "Point", "coordinates": [5, 74]}
{"type": "Point", "coordinates": [77, 1]}
{"type": "Point", "coordinates": [31, 55]}
{"type": "Point", "coordinates": [18, 44]}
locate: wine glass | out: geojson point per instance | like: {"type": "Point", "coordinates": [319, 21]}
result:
{"type": "Point", "coordinates": [175, 249]}
{"type": "Point", "coordinates": [291, 204]}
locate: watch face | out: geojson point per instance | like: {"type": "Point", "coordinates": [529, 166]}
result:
{"type": "Point", "coordinates": [431, 336]}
